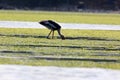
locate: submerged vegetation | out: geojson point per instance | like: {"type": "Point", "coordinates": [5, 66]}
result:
{"type": "Point", "coordinates": [89, 44]}
{"type": "Point", "coordinates": [93, 48]}
{"type": "Point", "coordinates": [66, 17]}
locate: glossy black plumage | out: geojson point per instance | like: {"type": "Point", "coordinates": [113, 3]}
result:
{"type": "Point", "coordinates": [50, 25]}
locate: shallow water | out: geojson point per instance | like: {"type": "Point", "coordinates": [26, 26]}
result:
{"type": "Point", "coordinates": [18, 24]}
{"type": "Point", "coordinates": [19, 72]}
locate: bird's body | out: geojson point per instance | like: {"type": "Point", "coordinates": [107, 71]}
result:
{"type": "Point", "coordinates": [52, 26]}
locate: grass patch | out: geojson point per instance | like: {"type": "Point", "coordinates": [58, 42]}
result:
{"type": "Point", "coordinates": [79, 43]}
{"type": "Point", "coordinates": [66, 17]}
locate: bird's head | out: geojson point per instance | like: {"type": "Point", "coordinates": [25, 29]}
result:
{"type": "Point", "coordinates": [62, 37]}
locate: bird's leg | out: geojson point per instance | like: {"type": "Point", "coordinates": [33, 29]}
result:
{"type": "Point", "coordinates": [49, 34]}
{"type": "Point", "coordinates": [62, 36]}
{"type": "Point", "coordinates": [53, 35]}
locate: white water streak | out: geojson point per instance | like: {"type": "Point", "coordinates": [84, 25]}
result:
{"type": "Point", "coordinates": [17, 72]}
{"type": "Point", "coordinates": [18, 24]}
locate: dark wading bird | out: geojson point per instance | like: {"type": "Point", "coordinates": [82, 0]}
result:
{"type": "Point", "coordinates": [52, 26]}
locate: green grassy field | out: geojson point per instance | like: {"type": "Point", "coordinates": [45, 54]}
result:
{"type": "Point", "coordinates": [90, 44]}
{"type": "Point", "coordinates": [79, 43]}
{"type": "Point", "coordinates": [67, 17]}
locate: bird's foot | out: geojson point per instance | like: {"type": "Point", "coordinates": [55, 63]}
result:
{"type": "Point", "coordinates": [47, 37]}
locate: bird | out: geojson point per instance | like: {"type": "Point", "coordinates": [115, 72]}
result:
{"type": "Point", "coordinates": [53, 26]}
